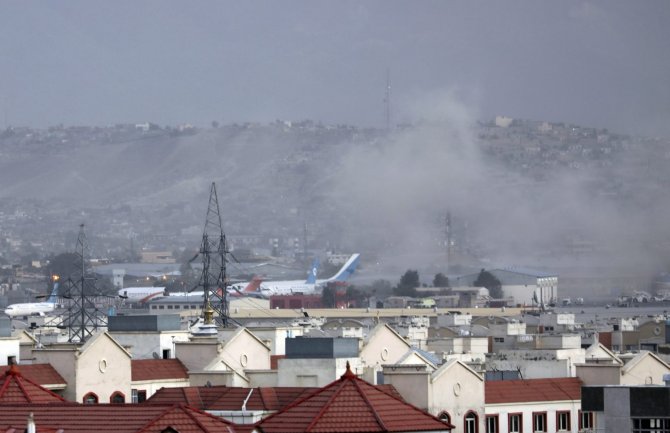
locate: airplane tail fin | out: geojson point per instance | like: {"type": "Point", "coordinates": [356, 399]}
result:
{"type": "Point", "coordinates": [254, 285]}
{"type": "Point", "coordinates": [347, 269]}
{"type": "Point", "coordinates": [311, 277]}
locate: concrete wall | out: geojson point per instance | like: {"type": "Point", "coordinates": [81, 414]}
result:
{"type": "Point", "coordinates": [197, 353]}
{"type": "Point", "coordinates": [277, 337]}
{"type": "Point", "coordinates": [244, 351]}
{"type": "Point", "coordinates": [103, 368]}
{"type": "Point", "coordinates": [63, 361]}
{"type": "Point", "coordinates": [9, 346]}
{"type": "Point", "coordinates": [262, 378]}
{"type": "Point", "coordinates": [313, 372]}
{"type": "Point", "coordinates": [599, 374]}
{"type": "Point", "coordinates": [383, 347]}
{"type": "Point", "coordinates": [648, 371]}
{"type": "Point", "coordinates": [143, 345]}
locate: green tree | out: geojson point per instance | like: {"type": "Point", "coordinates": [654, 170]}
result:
{"type": "Point", "coordinates": [408, 284]}
{"type": "Point", "coordinates": [440, 280]}
{"type": "Point", "coordinates": [488, 280]}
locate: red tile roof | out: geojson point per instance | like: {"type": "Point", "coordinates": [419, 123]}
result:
{"type": "Point", "coordinates": [269, 399]}
{"type": "Point", "coordinates": [351, 405]}
{"type": "Point", "coordinates": [532, 390]}
{"type": "Point", "coordinates": [43, 374]}
{"type": "Point", "coordinates": [15, 388]}
{"type": "Point", "coordinates": [157, 369]}
{"type": "Point", "coordinates": [111, 418]}
{"type": "Point", "coordinates": [230, 398]}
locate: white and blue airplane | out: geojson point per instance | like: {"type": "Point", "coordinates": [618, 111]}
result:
{"type": "Point", "coordinates": [312, 284]}
{"type": "Point", "coordinates": [35, 308]}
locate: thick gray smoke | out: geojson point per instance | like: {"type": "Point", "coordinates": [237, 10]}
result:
{"type": "Point", "coordinates": [398, 190]}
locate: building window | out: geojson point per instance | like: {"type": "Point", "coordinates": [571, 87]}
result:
{"type": "Point", "coordinates": [515, 423]}
{"type": "Point", "coordinates": [586, 421]}
{"type": "Point", "coordinates": [11, 360]}
{"type": "Point", "coordinates": [539, 421]}
{"type": "Point", "coordinates": [492, 424]}
{"type": "Point", "coordinates": [563, 421]}
{"type": "Point", "coordinates": [471, 422]}
{"type": "Point", "coordinates": [90, 398]}
{"type": "Point", "coordinates": [499, 339]}
{"type": "Point", "coordinates": [651, 425]}
{"type": "Point", "coordinates": [138, 395]}
{"type": "Point", "coordinates": [118, 397]}
{"type": "Point", "coordinates": [444, 416]}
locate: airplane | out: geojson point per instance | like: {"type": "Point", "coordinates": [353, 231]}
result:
{"type": "Point", "coordinates": [251, 290]}
{"type": "Point", "coordinates": [138, 294]}
{"type": "Point", "coordinates": [312, 285]}
{"type": "Point", "coordinates": [35, 308]}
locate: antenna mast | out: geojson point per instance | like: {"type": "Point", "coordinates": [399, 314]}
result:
{"type": "Point", "coordinates": [214, 249]}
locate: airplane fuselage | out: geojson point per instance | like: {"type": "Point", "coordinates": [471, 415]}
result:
{"type": "Point", "coordinates": [30, 309]}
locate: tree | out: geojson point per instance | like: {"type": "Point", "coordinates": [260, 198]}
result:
{"type": "Point", "coordinates": [488, 280]}
{"type": "Point", "coordinates": [440, 280]}
{"type": "Point", "coordinates": [408, 284]}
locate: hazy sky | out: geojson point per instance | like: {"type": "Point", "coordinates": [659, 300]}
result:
{"type": "Point", "coordinates": [83, 62]}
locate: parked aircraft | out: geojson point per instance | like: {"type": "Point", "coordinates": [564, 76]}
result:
{"type": "Point", "coordinates": [312, 285]}
{"type": "Point", "coordinates": [250, 289]}
{"type": "Point", "coordinates": [35, 308]}
{"type": "Point", "coordinates": [140, 294]}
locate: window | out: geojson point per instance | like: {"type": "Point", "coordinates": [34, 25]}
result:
{"type": "Point", "coordinates": [563, 421]}
{"type": "Point", "coordinates": [499, 339]}
{"type": "Point", "coordinates": [161, 307]}
{"type": "Point", "coordinates": [444, 416]}
{"type": "Point", "coordinates": [515, 422]}
{"type": "Point", "coordinates": [90, 398]}
{"type": "Point", "coordinates": [166, 353]}
{"type": "Point", "coordinates": [586, 421]}
{"type": "Point", "coordinates": [539, 421]}
{"type": "Point", "coordinates": [471, 422]}
{"type": "Point", "coordinates": [138, 395]}
{"type": "Point", "coordinates": [117, 398]}
{"type": "Point", "coordinates": [492, 424]}
{"type": "Point", "coordinates": [651, 425]}
{"type": "Point", "coordinates": [11, 360]}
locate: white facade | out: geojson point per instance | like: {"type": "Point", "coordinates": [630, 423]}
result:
{"type": "Point", "coordinates": [10, 350]}
{"type": "Point", "coordinates": [526, 411]}
{"type": "Point", "coordinates": [314, 372]}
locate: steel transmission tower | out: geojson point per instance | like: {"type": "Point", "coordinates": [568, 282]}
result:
{"type": "Point", "coordinates": [83, 316]}
{"type": "Point", "coordinates": [214, 252]}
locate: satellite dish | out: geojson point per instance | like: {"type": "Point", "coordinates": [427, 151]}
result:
{"type": "Point", "coordinates": [208, 384]}
{"type": "Point", "coordinates": [155, 355]}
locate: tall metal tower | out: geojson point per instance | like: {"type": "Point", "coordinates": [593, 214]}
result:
{"type": "Point", "coordinates": [447, 228]}
{"type": "Point", "coordinates": [83, 316]}
{"type": "Point", "coordinates": [387, 101]}
{"type": "Point", "coordinates": [214, 252]}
